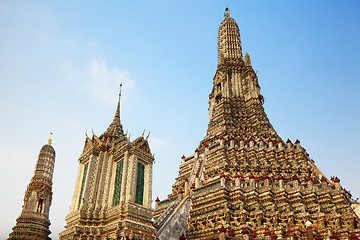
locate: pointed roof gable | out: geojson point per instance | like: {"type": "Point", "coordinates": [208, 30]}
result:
{"type": "Point", "coordinates": [142, 144]}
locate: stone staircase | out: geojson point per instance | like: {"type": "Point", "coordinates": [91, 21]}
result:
{"type": "Point", "coordinates": [174, 221]}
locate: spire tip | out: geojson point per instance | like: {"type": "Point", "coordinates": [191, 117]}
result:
{"type": "Point", "coordinates": [227, 13]}
{"type": "Point", "coordinates": [50, 139]}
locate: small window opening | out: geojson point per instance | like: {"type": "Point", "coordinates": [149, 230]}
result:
{"type": "Point", "coordinates": [40, 205]}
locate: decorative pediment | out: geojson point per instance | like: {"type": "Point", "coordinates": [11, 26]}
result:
{"type": "Point", "coordinates": [219, 76]}
{"type": "Point", "coordinates": [88, 144]}
{"type": "Point", "coordinates": [142, 144]}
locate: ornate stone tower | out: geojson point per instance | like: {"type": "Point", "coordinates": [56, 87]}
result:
{"type": "Point", "coordinates": [244, 181]}
{"type": "Point", "coordinates": [33, 222]}
{"type": "Point", "coordinates": [112, 195]}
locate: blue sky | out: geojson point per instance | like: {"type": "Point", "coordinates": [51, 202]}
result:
{"type": "Point", "coordinates": [62, 62]}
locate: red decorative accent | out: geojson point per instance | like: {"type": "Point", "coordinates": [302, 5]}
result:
{"type": "Point", "coordinates": [192, 186]}
{"type": "Point", "coordinates": [242, 179]}
{"type": "Point", "coordinates": [157, 199]}
{"type": "Point", "coordinates": [222, 229]}
{"type": "Point", "coordinates": [267, 232]}
{"type": "Point", "coordinates": [317, 225]}
{"type": "Point", "coordinates": [196, 150]}
{"type": "Point", "coordinates": [245, 231]}
{"type": "Point", "coordinates": [252, 235]}
{"type": "Point", "coordinates": [334, 236]}
{"type": "Point", "coordinates": [183, 156]}
{"type": "Point", "coordinates": [353, 236]}
{"type": "Point", "coordinates": [231, 232]}
{"type": "Point", "coordinates": [231, 138]}
{"type": "Point", "coordinates": [270, 140]}
{"type": "Point", "coordinates": [251, 176]}
{"type": "Point", "coordinates": [323, 179]}
{"type": "Point", "coordinates": [336, 180]}
{"type": "Point", "coordinates": [221, 137]}
{"type": "Point", "coordinates": [295, 178]}
{"type": "Point", "coordinates": [288, 141]}
{"type": "Point", "coordinates": [241, 138]}
{"type": "Point", "coordinates": [186, 179]}
{"type": "Point", "coordinates": [266, 176]}
{"type": "Point", "coordinates": [222, 175]}
{"type": "Point", "coordinates": [182, 237]}
{"type": "Point", "coordinates": [196, 175]}
{"type": "Point", "coordinates": [297, 141]}
{"type": "Point", "coordinates": [279, 140]}
{"type": "Point", "coordinates": [273, 236]}
{"type": "Point", "coordinates": [236, 175]}
{"type": "Point", "coordinates": [256, 179]}
{"type": "Point", "coordinates": [227, 178]}
{"type": "Point", "coordinates": [180, 191]}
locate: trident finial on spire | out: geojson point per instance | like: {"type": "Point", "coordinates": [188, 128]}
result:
{"type": "Point", "coordinates": [50, 139]}
{"type": "Point", "coordinates": [227, 13]}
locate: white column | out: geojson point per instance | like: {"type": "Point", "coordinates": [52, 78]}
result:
{"type": "Point", "coordinates": [130, 179]}
{"type": "Point", "coordinates": [76, 193]}
{"type": "Point", "coordinates": [124, 176]}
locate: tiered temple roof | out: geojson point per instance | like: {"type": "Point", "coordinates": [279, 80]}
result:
{"type": "Point", "coordinates": [244, 181]}
{"type": "Point", "coordinates": [113, 189]}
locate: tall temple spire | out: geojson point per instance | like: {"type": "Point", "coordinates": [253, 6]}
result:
{"type": "Point", "coordinates": [243, 181]}
{"type": "Point", "coordinates": [229, 44]}
{"type": "Point", "coordinates": [236, 92]}
{"type": "Point", "coordinates": [115, 129]}
{"type": "Point", "coordinates": [33, 222]}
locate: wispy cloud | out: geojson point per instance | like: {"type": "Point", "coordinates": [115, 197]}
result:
{"type": "Point", "coordinates": [105, 81]}
{"type": "Point", "coordinates": [69, 42]}
{"type": "Point", "coordinates": [92, 44]}
{"type": "Point", "coordinates": [69, 72]}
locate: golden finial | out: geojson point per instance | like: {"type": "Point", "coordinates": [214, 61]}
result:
{"type": "Point", "coordinates": [227, 13]}
{"type": "Point", "coordinates": [50, 139]}
{"type": "Point", "coordinates": [117, 113]}
{"type": "Point", "coordinates": [120, 89]}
